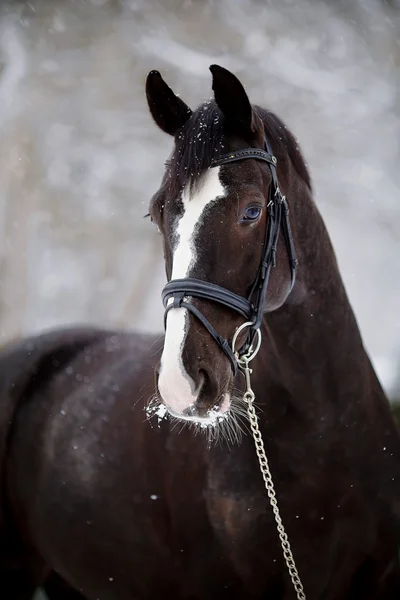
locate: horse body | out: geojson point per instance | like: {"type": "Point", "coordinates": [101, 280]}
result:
{"type": "Point", "coordinates": [122, 508]}
{"type": "Point", "coordinates": [161, 513]}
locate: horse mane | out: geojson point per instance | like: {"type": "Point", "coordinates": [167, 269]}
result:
{"type": "Point", "coordinates": [280, 135]}
{"type": "Point", "coordinates": [202, 140]}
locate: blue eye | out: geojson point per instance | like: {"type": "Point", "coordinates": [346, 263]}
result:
{"type": "Point", "coordinates": [251, 213]}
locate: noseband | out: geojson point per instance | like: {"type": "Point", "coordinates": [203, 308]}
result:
{"type": "Point", "coordinates": [251, 308]}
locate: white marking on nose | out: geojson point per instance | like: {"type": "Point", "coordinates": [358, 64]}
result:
{"type": "Point", "coordinates": [177, 388]}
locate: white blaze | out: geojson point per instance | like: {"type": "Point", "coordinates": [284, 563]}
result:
{"type": "Point", "coordinates": [176, 387]}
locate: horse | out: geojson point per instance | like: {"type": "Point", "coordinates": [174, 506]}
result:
{"type": "Point", "coordinates": [129, 470]}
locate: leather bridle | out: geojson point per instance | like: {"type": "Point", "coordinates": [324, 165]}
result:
{"type": "Point", "coordinates": [251, 308]}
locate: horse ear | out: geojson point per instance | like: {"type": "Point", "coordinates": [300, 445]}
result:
{"type": "Point", "coordinates": [167, 110]}
{"type": "Point", "coordinates": [233, 101]}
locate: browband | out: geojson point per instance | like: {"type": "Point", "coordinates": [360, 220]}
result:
{"type": "Point", "coordinates": [242, 154]}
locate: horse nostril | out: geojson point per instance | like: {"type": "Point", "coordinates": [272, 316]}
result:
{"type": "Point", "coordinates": [208, 392]}
{"type": "Point", "coordinates": [203, 379]}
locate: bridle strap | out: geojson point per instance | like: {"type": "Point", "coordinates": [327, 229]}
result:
{"type": "Point", "coordinates": [179, 302]}
{"type": "Point", "coordinates": [252, 309]}
{"type": "Point", "coordinates": [268, 261]}
{"type": "Point", "coordinates": [207, 291]}
{"type": "Point", "coordinates": [255, 153]}
{"type": "Point", "coordinates": [287, 232]}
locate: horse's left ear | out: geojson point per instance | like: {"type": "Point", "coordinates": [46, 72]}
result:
{"type": "Point", "coordinates": [233, 101]}
{"type": "Point", "coordinates": [167, 109]}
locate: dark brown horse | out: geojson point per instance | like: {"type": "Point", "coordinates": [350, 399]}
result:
{"type": "Point", "coordinates": [97, 500]}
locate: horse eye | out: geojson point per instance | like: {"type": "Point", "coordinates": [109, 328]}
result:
{"type": "Point", "coordinates": [252, 213]}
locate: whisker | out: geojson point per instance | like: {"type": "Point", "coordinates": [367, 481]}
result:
{"type": "Point", "coordinates": [229, 433]}
{"type": "Point", "coordinates": [217, 428]}
{"type": "Point", "coordinates": [155, 342]}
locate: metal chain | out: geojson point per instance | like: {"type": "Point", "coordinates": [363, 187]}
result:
{"type": "Point", "coordinates": [249, 398]}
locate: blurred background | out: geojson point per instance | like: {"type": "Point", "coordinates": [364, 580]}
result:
{"type": "Point", "coordinates": [80, 157]}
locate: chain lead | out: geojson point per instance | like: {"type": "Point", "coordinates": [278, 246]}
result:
{"type": "Point", "coordinates": [249, 398]}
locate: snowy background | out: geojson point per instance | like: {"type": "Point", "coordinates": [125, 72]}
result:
{"type": "Point", "coordinates": [80, 157]}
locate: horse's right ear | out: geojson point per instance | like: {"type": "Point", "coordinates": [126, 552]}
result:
{"type": "Point", "coordinates": [167, 109]}
{"type": "Point", "coordinates": [233, 102]}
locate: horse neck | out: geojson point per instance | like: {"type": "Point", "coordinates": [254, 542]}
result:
{"type": "Point", "coordinates": [312, 349]}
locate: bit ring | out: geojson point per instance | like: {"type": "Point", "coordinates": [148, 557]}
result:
{"type": "Point", "coordinates": [252, 352]}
